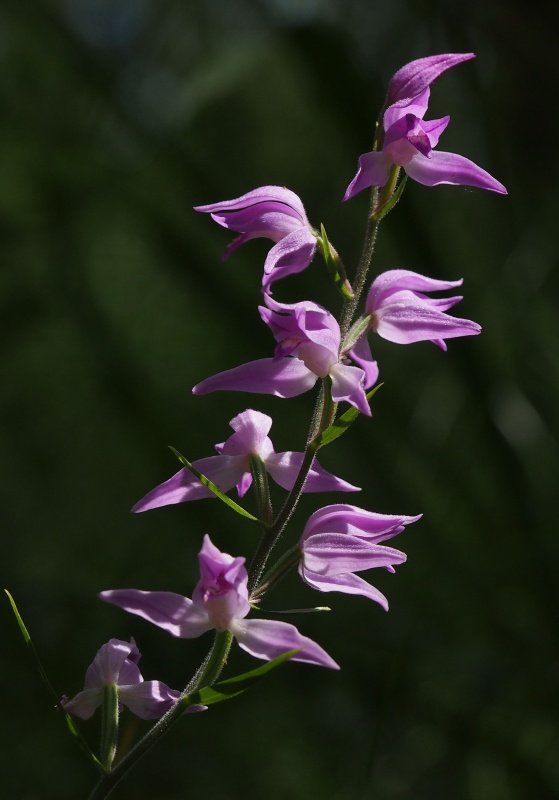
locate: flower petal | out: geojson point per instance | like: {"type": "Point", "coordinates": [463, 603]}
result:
{"type": "Point", "coordinates": [338, 553]}
{"type": "Point", "coordinates": [373, 170]}
{"type": "Point", "coordinates": [347, 385]}
{"type": "Point", "coordinates": [224, 471]}
{"type": "Point", "coordinates": [347, 583]}
{"type": "Point", "coordinates": [174, 613]}
{"type": "Point", "coordinates": [148, 700]}
{"type": "Point", "coordinates": [268, 639]}
{"type": "Point", "coordinates": [451, 168]}
{"type": "Point", "coordinates": [411, 79]}
{"type": "Point", "coordinates": [290, 255]}
{"type": "Point", "coordinates": [403, 320]}
{"type": "Point", "coordinates": [284, 468]}
{"type": "Point", "coordinates": [284, 377]}
{"type": "Point", "coordinates": [84, 703]}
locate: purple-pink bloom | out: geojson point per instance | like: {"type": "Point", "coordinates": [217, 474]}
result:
{"type": "Point", "coordinates": [415, 77]}
{"type": "Point", "coordinates": [402, 312]}
{"type": "Point", "coordinates": [340, 540]}
{"type": "Point", "coordinates": [272, 212]}
{"type": "Point", "coordinates": [232, 467]}
{"type": "Point", "coordinates": [308, 348]}
{"type": "Point", "coordinates": [116, 664]}
{"type": "Point", "coordinates": [409, 142]}
{"type": "Point", "coordinates": [220, 602]}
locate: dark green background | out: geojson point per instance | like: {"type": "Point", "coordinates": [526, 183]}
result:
{"type": "Point", "coordinates": [117, 117]}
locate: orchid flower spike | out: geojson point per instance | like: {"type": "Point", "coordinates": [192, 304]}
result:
{"type": "Point", "coordinates": [232, 467]}
{"type": "Point", "coordinates": [272, 212]}
{"type": "Point", "coordinates": [409, 142]}
{"type": "Point", "coordinates": [415, 77]}
{"type": "Point", "coordinates": [308, 347]}
{"type": "Point", "coordinates": [220, 602]}
{"type": "Point", "coordinates": [340, 540]}
{"type": "Point", "coordinates": [401, 312]}
{"type": "Point", "coordinates": [116, 664]}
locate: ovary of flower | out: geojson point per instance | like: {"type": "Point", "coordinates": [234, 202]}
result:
{"type": "Point", "coordinates": [308, 346]}
{"type": "Point", "coordinates": [340, 540]}
{"type": "Point", "coordinates": [401, 311]}
{"type": "Point", "coordinates": [232, 467]}
{"type": "Point", "coordinates": [116, 665]}
{"type": "Point", "coordinates": [409, 142]}
{"type": "Point", "coordinates": [275, 213]}
{"type": "Point", "coordinates": [220, 602]}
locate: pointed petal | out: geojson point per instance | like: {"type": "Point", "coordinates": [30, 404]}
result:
{"type": "Point", "coordinates": [84, 703]}
{"type": "Point", "coordinates": [403, 322]}
{"type": "Point", "coordinates": [284, 377]}
{"type": "Point", "coordinates": [267, 639]}
{"type": "Point", "coordinates": [224, 471]}
{"type": "Point", "coordinates": [347, 385]}
{"type": "Point", "coordinates": [148, 700]}
{"type": "Point", "coordinates": [174, 613]}
{"type": "Point", "coordinates": [284, 468]}
{"type": "Point", "coordinates": [361, 354]}
{"type": "Point", "coordinates": [348, 584]}
{"type": "Point", "coordinates": [394, 280]}
{"type": "Point", "coordinates": [411, 79]}
{"type": "Point", "coordinates": [451, 168]}
{"type": "Point", "coordinates": [108, 663]}
{"type": "Point", "coordinates": [251, 435]}
{"type": "Point", "coordinates": [338, 553]}
{"type": "Point", "coordinates": [264, 194]}
{"type": "Point", "coordinates": [373, 170]}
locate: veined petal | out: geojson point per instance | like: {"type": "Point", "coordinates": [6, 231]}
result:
{"type": "Point", "coordinates": [345, 518]}
{"type": "Point", "coordinates": [174, 613]}
{"type": "Point", "coordinates": [338, 553]}
{"type": "Point", "coordinates": [411, 79]}
{"type": "Point", "coordinates": [292, 254]}
{"type": "Point", "coordinates": [451, 168]}
{"type": "Point", "coordinates": [373, 170]}
{"type": "Point", "coordinates": [148, 700]}
{"type": "Point", "coordinates": [347, 385]}
{"type": "Point", "coordinates": [268, 639]}
{"type": "Point", "coordinates": [251, 435]}
{"type": "Point", "coordinates": [284, 468]}
{"type": "Point", "coordinates": [263, 194]}
{"type": "Point", "coordinates": [394, 280]}
{"type": "Point", "coordinates": [404, 322]}
{"type": "Point", "coordinates": [348, 584]}
{"type": "Point", "coordinates": [285, 377]}
{"type": "Point", "coordinates": [224, 471]}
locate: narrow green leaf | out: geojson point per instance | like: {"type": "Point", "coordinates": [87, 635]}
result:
{"type": "Point", "coordinates": [334, 265]}
{"type": "Point", "coordinates": [225, 690]}
{"type": "Point", "coordinates": [213, 488]}
{"type": "Point", "coordinates": [343, 422]}
{"type": "Point", "coordinates": [69, 721]}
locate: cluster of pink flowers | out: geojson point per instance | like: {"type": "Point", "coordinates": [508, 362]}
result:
{"type": "Point", "coordinates": [340, 540]}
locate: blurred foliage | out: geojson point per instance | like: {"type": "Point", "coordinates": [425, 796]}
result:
{"type": "Point", "coordinates": [118, 117]}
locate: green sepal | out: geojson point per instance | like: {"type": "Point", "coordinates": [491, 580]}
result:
{"type": "Point", "coordinates": [384, 207]}
{"type": "Point", "coordinates": [359, 327]}
{"type": "Point", "coordinates": [213, 488]}
{"type": "Point", "coordinates": [69, 721]}
{"type": "Point", "coordinates": [225, 690]}
{"type": "Point", "coordinates": [334, 265]}
{"type": "Point", "coordinates": [341, 424]}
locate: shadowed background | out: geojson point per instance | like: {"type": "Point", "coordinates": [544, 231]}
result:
{"type": "Point", "coordinates": [117, 117]}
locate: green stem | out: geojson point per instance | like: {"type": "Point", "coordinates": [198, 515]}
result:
{"type": "Point", "coordinates": [350, 305]}
{"type": "Point", "coordinates": [109, 726]}
{"type": "Point", "coordinates": [207, 675]}
{"type": "Point", "coordinates": [323, 415]}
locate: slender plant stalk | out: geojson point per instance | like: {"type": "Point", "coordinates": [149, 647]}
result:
{"type": "Point", "coordinates": [207, 675]}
